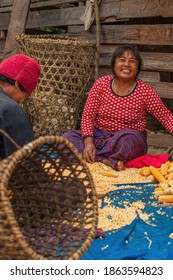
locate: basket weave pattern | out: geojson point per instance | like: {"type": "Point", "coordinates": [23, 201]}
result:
{"type": "Point", "coordinates": [67, 67]}
{"type": "Point", "coordinates": [48, 203]}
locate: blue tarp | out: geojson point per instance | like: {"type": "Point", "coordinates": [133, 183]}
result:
{"type": "Point", "coordinates": [139, 240]}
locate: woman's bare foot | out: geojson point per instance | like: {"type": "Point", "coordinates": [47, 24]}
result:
{"type": "Point", "coordinates": [120, 165]}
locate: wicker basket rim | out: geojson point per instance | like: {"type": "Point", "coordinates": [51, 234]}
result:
{"type": "Point", "coordinates": [55, 40]}
{"type": "Point", "coordinates": [15, 158]}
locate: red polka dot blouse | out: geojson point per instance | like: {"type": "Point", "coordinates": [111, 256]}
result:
{"type": "Point", "coordinates": [106, 110]}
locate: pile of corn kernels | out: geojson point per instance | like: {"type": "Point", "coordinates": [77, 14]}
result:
{"type": "Point", "coordinates": [105, 178]}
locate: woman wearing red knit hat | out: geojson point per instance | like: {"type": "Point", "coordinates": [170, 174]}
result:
{"type": "Point", "coordinates": [19, 76]}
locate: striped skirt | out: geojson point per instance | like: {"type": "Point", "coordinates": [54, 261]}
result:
{"type": "Point", "coordinates": [122, 145]}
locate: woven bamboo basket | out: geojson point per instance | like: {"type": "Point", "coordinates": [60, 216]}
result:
{"type": "Point", "coordinates": [67, 68]}
{"type": "Point", "coordinates": [48, 203]}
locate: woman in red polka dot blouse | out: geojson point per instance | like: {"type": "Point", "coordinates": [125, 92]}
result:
{"type": "Point", "coordinates": [114, 117]}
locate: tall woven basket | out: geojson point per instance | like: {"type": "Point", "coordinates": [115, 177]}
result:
{"type": "Point", "coordinates": [48, 203]}
{"type": "Point", "coordinates": [67, 68]}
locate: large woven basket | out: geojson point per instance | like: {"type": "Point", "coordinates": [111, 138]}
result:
{"type": "Point", "coordinates": [67, 68]}
{"type": "Point", "coordinates": [48, 203]}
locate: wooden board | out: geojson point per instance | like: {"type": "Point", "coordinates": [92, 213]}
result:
{"type": "Point", "coordinates": [156, 34]}
{"type": "Point", "coordinates": [151, 61]}
{"type": "Point", "coordinates": [110, 11]}
{"type": "Point", "coordinates": [16, 26]}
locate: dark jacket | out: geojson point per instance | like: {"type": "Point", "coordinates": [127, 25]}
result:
{"type": "Point", "coordinates": [14, 121]}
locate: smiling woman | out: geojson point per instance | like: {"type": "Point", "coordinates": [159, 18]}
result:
{"type": "Point", "coordinates": [114, 118]}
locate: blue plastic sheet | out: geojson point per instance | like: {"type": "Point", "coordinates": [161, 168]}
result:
{"type": "Point", "coordinates": [140, 240]}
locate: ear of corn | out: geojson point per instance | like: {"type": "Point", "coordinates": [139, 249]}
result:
{"type": "Point", "coordinates": [151, 178]}
{"type": "Point", "coordinates": [171, 168]}
{"type": "Point", "coordinates": [170, 176]}
{"type": "Point", "coordinates": [169, 191]}
{"type": "Point", "coordinates": [163, 186]}
{"type": "Point", "coordinates": [158, 189]}
{"type": "Point", "coordinates": [156, 173]}
{"type": "Point", "coordinates": [168, 163]}
{"type": "Point", "coordinates": [171, 183]}
{"type": "Point", "coordinates": [165, 198]}
{"type": "Point", "coordinates": [145, 171]}
{"type": "Point", "coordinates": [109, 173]}
{"type": "Point", "coordinates": [164, 169]}
{"type": "Point", "coordinates": [159, 193]}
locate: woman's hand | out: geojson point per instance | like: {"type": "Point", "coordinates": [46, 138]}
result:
{"type": "Point", "coordinates": [89, 150]}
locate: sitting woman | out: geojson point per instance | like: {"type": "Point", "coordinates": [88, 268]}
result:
{"type": "Point", "coordinates": [114, 117]}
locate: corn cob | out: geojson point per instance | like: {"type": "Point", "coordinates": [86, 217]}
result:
{"type": "Point", "coordinates": [171, 183]}
{"type": "Point", "coordinates": [168, 163]}
{"type": "Point", "coordinates": [165, 198]}
{"type": "Point", "coordinates": [158, 189]}
{"type": "Point", "coordinates": [159, 193]}
{"type": "Point", "coordinates": [109, 173]}
{"type": "Point", "coordinates": [170, 168]}
{"type": "Point", "coordinates": [156, 173]}
{"type": "Point", "coordinates": [163, 186]}
{"type": "Point", "coordinates": [169, 191]}
{"type": "Point", "coordinates": [145, 171]}
{"type": "Point", "coordinates": [151, 178]}
{"type": "Point", "coordinates": [164, 169]}
{"type": "Point", "coordinates": [170, 176]}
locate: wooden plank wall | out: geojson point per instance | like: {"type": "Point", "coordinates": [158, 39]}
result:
{"type": "Point", "coordinates": [146, 24]}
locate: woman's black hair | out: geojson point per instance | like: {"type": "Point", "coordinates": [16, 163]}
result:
{"type": "Point", "coordinates": [120, 50]}
{"type": "Point", "coordinates": [11, 82]}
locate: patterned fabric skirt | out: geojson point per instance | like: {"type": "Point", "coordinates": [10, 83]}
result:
{"type": "Point", "coordinates": [122, 145]}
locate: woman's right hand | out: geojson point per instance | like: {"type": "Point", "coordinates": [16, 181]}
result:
{"type": "Point", "coordinates": [89, 150]}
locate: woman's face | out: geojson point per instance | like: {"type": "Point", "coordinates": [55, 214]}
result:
{"type": "Point", "coordinates": [126, 66]}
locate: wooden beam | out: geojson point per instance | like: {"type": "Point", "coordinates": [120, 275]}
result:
{"type": "Point", "coordinates": [165, 90]}
{"type": "Point", "coordinates": [156, 34]}
{"type": "Point", "coordinates": [110, 11]}
{"type": "Point", "coordinates": [16, 26]}
{"type": "Point", "coordinates": [50, 3]}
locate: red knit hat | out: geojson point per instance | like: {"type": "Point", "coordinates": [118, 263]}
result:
{"type": "Point", "coordinates": [23, 69]}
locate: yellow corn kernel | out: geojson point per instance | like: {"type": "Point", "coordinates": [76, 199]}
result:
{"type": "Point", "coordinates": [157, 174]}
{"type": "Point", "coordinates": [145, 171]}
{"type": "Point", "coordinates": [164, 169]}
{"type": "Point", "coordinates": [170, 168]}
